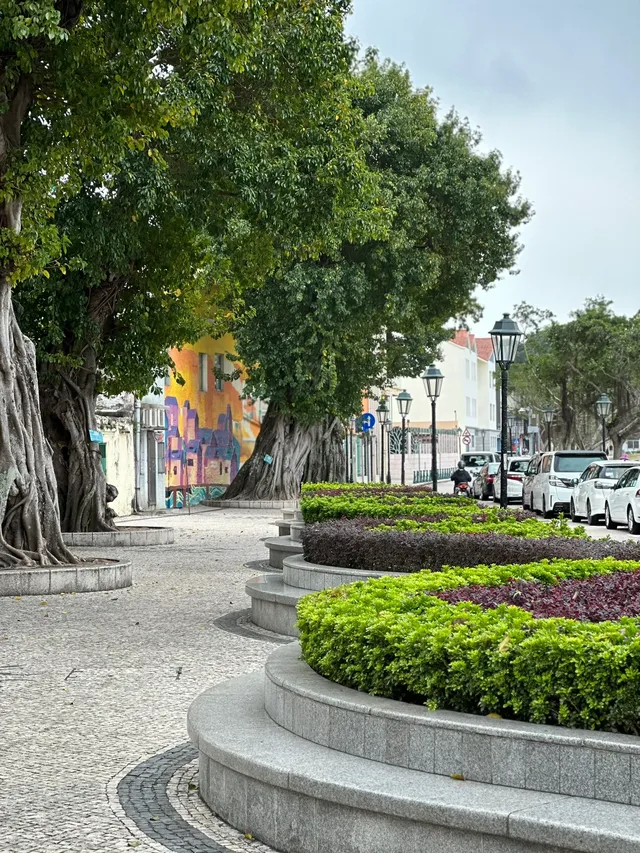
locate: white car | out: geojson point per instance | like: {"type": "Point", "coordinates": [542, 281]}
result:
{"type": "Point", "coordinates": [594, 487]}
{"type": "Point", "coordinates": [477, 459]}
{"type": "Point", "coordinates": [516, 468]}
{"type": "Point", "coordinates": [527, 481]}
{"type": "Point", "coordinates": [622, 505]}
{"type": "Point", "coordinates": [554, 479]}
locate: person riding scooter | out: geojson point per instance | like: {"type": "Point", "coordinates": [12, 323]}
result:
{"type": "Point", "coordinates": [460, 476]}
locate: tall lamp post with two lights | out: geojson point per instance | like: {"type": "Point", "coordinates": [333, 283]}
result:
{"type": "Point", "coordinates": [432, 379]}
{"type": "Point", "coordinates": [404, 405]}
{"type": "Point", "coordinates": [505, 337]}
{"type": "Point", "coordinates": [603, 408]}
{"type": "Point", "coordinates": [383, 419]}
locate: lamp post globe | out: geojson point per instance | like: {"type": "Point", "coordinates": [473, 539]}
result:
{"type": "Point", "coordinates": [404, 406]}
{"type": "Point", "coordinates": [603, 408]}
{"type": "Point", "coordinates": [383, 418]}
{"type": "Point", "coordinates": [432, 379]}
{"type": "Point", "coordinates": [505, 339]}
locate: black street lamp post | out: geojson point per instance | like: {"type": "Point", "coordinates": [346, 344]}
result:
{"type": "Point", "coordinates": [404, 405]}
{"type": "Point", "coordinates": [432, 379]}
{"type": "Point", "coordinates": [548, 414]}
{"type": "Point", "coordinates": [383, 418]}
{"type": "Point", "coordinates": [511, 422]}
{"type": "Point", "coordinates": [505, 337]}
{"type": "Point", "coordinates": [603, 408]}
{"type": "Point", "coordinates": [352, 423]}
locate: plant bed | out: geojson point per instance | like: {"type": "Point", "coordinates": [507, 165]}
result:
{"type": "Point", "coordinates": [368, 544]}
{"type": "Point", "coordinates": [86, 576]}
{"type": "Point", "coordinates": [121, 537]}
{"type": "Point", "coordinates": [401, 638]}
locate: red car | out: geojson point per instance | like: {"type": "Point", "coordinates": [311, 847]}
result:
{"type": "Point", "coordinates": [483, 483]}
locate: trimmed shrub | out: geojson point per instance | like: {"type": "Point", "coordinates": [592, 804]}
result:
{"type": "Point", "coordinates": [384, 505]}
{"type": "Point", "coordinates": [352, 544]}
{"type": "Point", "coordinates": [394, 637]}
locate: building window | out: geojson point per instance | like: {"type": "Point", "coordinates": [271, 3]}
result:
{"type": "Point", "coordinates": [220, 369]}
{"type": "Point", "coordinates": [468, 406]}
{"type": "Point", "coordinates": [203, 371]}
{"type": "Point", "coordinates": [474, 407]}
{"type": "Point", "coordinates": [473, 370]}
{"type": "Point", "coordinates": [633, 444]}
{"type": "Point", "coordinates": [467, 369]}
{"type": "Point", "coordinates": [167, 379]}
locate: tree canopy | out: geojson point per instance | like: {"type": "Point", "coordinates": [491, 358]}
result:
{"type": "Point", "coordinates": [379, 308]}
{"type": "Point", "coordinates": [567, 366]}
{"type": "Point", "coordinates": [325, 331]}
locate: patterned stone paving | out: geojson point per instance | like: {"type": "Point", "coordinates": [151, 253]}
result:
{"type": "Point", "coordinates": [95, 687]}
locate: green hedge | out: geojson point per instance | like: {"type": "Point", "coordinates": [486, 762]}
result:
{"type": "Point", "coordinates": [496, 521]}
{"type": "Point", "coordinates": [323, 508]}
{"type": "Point", "coordinates": [390, 637]}
{"type": "Point", "coordinates": [441, 514]}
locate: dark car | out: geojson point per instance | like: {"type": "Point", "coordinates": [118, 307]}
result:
{"type": "Point", "coordinates": [483, 483]}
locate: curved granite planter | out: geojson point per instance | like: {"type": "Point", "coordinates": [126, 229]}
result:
{"type": "Point", "coordinates": [278, 782]}
{"type": "Point", "coordinates": [231, 504]}
{"type": "Point", "coordinates": [274, 596]}
{"type": "Point", "coordinates": [596, 765]}
{"type": "Point", "coordinates": [125, 537]}
{"type": "Point", "coordinates": [52, 580]}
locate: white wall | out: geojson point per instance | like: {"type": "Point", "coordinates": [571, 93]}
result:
{"type": "Point", "coordinates": [118, 437]}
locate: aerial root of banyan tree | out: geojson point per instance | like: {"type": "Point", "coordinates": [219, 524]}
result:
{"type": "Point", "coordinates": [29, 521]}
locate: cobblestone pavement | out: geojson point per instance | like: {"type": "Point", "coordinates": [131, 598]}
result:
{"type": "Point", "coordinates": [95, 687]}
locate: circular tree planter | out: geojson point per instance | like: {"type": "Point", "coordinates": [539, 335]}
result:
{"type": "Point", "coordinates": [123, 537]}
{"type": "Point", "coordinates": [96, 576]}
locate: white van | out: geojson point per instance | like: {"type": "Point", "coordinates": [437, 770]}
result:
{"type": "Point", "coordinates": [477, 459]}
{"type": "Point", "coordinates": [553, 482]}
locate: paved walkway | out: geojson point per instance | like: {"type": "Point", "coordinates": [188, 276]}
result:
{"type": "Point", "coordinates": [94, 692]}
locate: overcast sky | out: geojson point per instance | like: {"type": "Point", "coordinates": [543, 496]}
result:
{"type": "Point", "coordinates": [555, 86]}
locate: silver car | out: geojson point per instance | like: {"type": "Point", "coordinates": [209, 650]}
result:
{"type": "Point", "coordinates": [592, 488]}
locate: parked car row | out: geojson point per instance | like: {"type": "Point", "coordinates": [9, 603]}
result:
{"type": "Point", "coordinates": [583, 484]}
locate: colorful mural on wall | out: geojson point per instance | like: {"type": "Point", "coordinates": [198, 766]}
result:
{"type": "Point", "coordinates": [211, 431]}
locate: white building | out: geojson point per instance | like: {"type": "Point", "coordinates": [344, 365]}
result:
{"type": "Point", "coordinates": [467, 409]}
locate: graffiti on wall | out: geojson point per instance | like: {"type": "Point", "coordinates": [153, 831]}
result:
{"type": "Point", "coordinates": [211, 430]}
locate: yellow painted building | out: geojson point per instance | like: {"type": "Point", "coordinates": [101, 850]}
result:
{"type": "Point", "coordinates": [211, 429]}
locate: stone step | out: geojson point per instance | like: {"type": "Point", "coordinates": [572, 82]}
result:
{"type": "Point", "coordinates": [284, 527]}
{"type": "Point", "coordinates": [281, 547]}
{"type": "Point", "coordinates": [300, 797]}
{"type": "Point", "coordinates": [273, 603]}
{"type": "Point", "coordinates": [597, 765]}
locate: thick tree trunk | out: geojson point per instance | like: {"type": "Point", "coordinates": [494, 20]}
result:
{"type": "Point", "coordinates": [286, 443]}
{"type": "Point", "coordinates": [29, 521]}
{"type": "Point", "coordinates": [68, 400]}
{"type": "Point", "coordinates": [326, 462]}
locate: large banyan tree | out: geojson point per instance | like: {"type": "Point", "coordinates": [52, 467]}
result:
{"type": "Point", "coordinates": [83, 85]}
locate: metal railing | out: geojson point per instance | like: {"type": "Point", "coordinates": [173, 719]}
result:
{"type": "Point", "coordinates": [425, 476]}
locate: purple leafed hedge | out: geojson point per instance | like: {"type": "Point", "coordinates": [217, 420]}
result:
{"type": "Point", "coordinates": [350, 544]}
{"type": "Point", "coordinates": [595, 599]}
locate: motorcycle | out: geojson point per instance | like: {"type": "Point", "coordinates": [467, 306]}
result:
{"type": "Point", "coordinates": [463, 489]}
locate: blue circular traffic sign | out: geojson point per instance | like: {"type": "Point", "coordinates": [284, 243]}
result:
{"type": "Point", "coordinates": [367, 422]}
